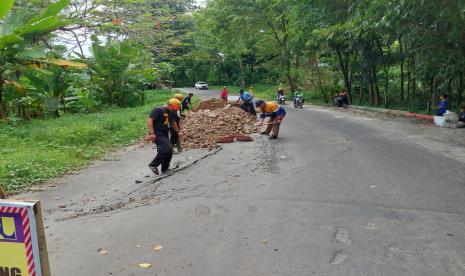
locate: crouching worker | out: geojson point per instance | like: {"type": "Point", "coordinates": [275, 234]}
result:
{"type": "Point", "coordinates": [187, 102]}
{"type": "Point", "coordinates": [275, 113]}
{"type": "Point", "coordinates": [160, 121]}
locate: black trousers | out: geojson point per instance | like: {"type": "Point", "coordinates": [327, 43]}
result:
{"type": "Point", "coordinates": [164, 153]}
{"type": "Point", "coordinates": [249, 107]}
{"type": "Point", "coordinates": [174, 139]}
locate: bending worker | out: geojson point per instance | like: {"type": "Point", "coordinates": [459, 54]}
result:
{"type": "Point", "coordinates": [246, 102]}
{"type": "Point", "coordinates": [159, 123]}
{"type": "Point", "coordinates": [275, 113]}
{"type": "Point", "coordinates": [186, 103]}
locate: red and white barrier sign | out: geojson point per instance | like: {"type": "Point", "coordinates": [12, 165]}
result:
{"type": "Point", "coordinates": [23, 250]}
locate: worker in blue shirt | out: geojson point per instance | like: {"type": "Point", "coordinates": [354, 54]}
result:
{"type": "Point", "coordinates": [246, 102]}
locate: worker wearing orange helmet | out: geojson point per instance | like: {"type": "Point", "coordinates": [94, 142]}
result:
{"type": "Point", "coordinates": [159, 123]}
{"type": "Point", "coordinates": [178, 96]}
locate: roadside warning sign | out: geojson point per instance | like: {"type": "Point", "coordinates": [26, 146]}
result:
{"type": "Point", "coordinates": [23, 250]}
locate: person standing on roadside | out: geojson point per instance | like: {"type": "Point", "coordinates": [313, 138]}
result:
{"type": "Point", "coordinates": [251, 91]}
{"type": "Point", "coordinates": [224, 93]}
{"type": "Point", "coordinates": [160, 121]}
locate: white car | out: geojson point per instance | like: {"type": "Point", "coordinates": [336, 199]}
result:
{"type": "Point", "coordinates": [201, 85]}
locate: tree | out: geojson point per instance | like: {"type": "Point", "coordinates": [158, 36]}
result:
{"type": "Point", "coordinates": [18, 36]}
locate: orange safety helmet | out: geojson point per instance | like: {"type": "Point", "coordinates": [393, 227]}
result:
{"type": "Point", "coordinates": [175, 104]}
{"type": "Point", "coordinates": [179, 96]}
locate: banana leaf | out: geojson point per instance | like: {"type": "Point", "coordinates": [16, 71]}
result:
{"type": "Point", "coordinates": [51, 11]}
{"type": "Point", "coordinates": [64, 63]}
{"type": "Point", "coordinates": [43, 25]}
{"type": "Point", "coordinates": [10, 39]}
{"type": "Point", "coordinates": [5, 7]}
{"type": "Point", "coordinates": [31, 53]}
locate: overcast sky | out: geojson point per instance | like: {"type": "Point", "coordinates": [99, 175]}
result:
{"type": "Point", "coordinates": [200, 2]}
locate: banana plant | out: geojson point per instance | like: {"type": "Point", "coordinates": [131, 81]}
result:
{"type": "Point", "coordinates": [110, 65]}
{"type": "Point", "coordinates": [17, 36]}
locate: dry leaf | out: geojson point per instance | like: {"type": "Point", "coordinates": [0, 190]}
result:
{"type": "Point", "coordinates": [158, 247]}
{"type": "Point", "coordinates": [102, 251]}
{"type": "Point", "coordinates": [264, 241]}
{"type": "Point", "coordinates": [145, 265]}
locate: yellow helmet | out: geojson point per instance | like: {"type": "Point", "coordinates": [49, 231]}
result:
{"type": "Point", "coordinates": [175, 104]}
{"type": "Point", "coordinates": [179, 96]}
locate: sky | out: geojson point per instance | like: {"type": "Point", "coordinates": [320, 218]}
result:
{"type": "Point", "coordinates": [200, 2]}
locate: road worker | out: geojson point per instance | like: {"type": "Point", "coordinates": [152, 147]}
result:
{"type": "Point", "coordinates": [275, 113]}
{"type": "Point", "coordinates": [159, 123]}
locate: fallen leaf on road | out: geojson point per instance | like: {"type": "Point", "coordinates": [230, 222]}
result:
{"type": "Point", "coordinates": [145, 265]}
{"type": "Point", "coordinates": [264, 241]}
{"type": "Point", "coordinates": [158, 247]}
{"type": "Point", "coordinates": [374, 186]}
{"type": "Point", "coordinates": [102, 251]}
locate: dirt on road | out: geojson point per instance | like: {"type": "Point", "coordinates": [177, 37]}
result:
{"type": "Point", "coordinates": [213, 119]}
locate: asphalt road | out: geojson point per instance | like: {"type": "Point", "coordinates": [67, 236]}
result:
{"type": "Point", "coordinates": [336, 194]}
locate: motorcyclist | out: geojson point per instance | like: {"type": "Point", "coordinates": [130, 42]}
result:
{"type": "Point", "coordinates": [280, 94]}
{"type": "Point", "coordinates": [298, 94]}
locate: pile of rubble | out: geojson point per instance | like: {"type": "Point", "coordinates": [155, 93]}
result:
{"type": "Point", "coordinates": [213, 121]}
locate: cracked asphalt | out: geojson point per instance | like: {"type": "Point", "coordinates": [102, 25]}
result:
{"type": "Point", "coordinates": [337, 194]}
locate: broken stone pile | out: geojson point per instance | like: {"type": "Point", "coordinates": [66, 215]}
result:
{"type": "Point", "coordinates": [214, 120]}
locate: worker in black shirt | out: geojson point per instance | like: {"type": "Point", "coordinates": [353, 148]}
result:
{"type": "Point", "coordinates": [186, 102]}
{"type": "Point", "coordinates": [159, 123]}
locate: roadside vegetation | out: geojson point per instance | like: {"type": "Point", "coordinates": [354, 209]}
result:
{"type": "Point", "coordinates": [77, 79]}
{"type": "Point", "coordinates": [41, 149]}
{"type": "Point", "coordinates": [394, 54]}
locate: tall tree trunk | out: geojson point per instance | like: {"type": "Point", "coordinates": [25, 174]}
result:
{"type": "Point", "coordinates": [370, 92]}
{"type": "Point", "coordinates": [401, 69]}
{"type": "Point", "coordinates": [3, 111]}
{"type": "Point", "coordinates": [343, 65]}
{"type": "Point", "coordinates": [460, 89]}
{"type": "Point", "coordinates": [320, 82]}
{"type": "Point", "coordinates": [287, 66]}
{"type": "Point", "coordinates": [432, 88]}
{"type": "Point", "coordinates": [386, 87]}
{"type": "Point", "coordinates": [241, 68]}
{"type": "Point", "coordinates": [409, 80]}
{"type": "Point", "coordinates": [375, 85]}
{"type": "Point", "coordinates": [414, 76]}
{"type": "Point", "coordinates": [449, 92]}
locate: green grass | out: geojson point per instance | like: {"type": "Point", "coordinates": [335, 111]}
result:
{"type": "Point", "coordinates": [35, 151]}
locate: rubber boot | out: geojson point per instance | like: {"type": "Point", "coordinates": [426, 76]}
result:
{"type": "Point", "coordinates": [179, 147]}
